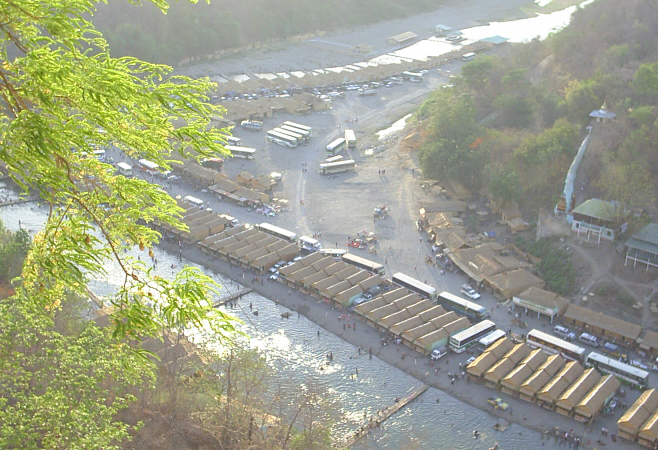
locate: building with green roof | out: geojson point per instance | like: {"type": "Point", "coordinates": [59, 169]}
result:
{"type": "Point", "coordinates": [597, 219]}
{"type": "Point", "coordinates": [642, 247]}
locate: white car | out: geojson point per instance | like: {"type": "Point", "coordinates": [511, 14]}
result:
{"type": "Point", "coordinates": [470, 292]}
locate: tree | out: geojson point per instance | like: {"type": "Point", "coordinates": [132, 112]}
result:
{"type": "Point", "coordinates": [452, 148]}
{"type": "Point", "coordinates": [63, 96]}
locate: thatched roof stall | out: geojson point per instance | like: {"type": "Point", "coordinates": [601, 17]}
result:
{"type": "Point", "coordinates": [266, 261]}
{"type": "Point", "coordinates": [577, 391]}
{"type": "Point", "coordinates": [358, 277]}
{"type": "Point", "coordinates": [313, 278]}
{"type": "Point", "coordinates": [438, 338]}
{"type": "Point", "coordinates": [507, 284]}
{"type": "Point", "coordinates": [394, 318]}
{"type": "Point", "coordinates": [549, 394]}
{"type": "Point", "coordinates": [481, 365]}
{"type": "Point", "coordinates": [432, 313]}
{"type": "Point", "coordinates": [602, 324]}
{"type": "Point", "coordinates": [515, 378]}
{"type": "Point", "coordinates": [596, 399]}
{"type": "Point", "coordinates": [528, 390]}
{"type": "Point", "coordinates": [630, 423]}
{"type": "Point", "coordinates": [370, 305]}
{"type": "Point", "coordinates": [347, 297]}
{"type": "Point", "coordinates": [648, 435]}
{"type": "Point", "coordinates": [320, 286]}
{"type": "Point", "coordinates": [401, 327]}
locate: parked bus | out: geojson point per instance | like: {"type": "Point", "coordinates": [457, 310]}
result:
{"type": "Point", "coordinates": [626, 372]}
{"type": "Point", "coordinates": [242, 152]}
{"type": "Point", "coordinates": [468, 56]}
{"type": "Point", "coordinates": [463, 340]}
{"type": "Point", "coordinates": [334, 159]}
{"type": "Point", "coordinates": [125, 169]}
{"type": "Point", "coordinates": [277, 231]}
{"type": "Point", "coordinates": [414, 285]}
{"type": "Point", "coordinates": [335, 253]}
{"type": "Point", "coordinates": [309, 245]}
{"type": "Point", "coordinates": [451, 302]}
{"type": "Point", "coordinates": [253, 125]}
{"type": "Point", "coordinates": [490, 339]}
{"type": "Point", "coordinates": [232, 140]}
{"type": "Point", "coordinates": [194, 201]}
{"type": "Point", "coordinates": [299, 126]}
{"type": "Point", "coordinates": [554, 345]}
{"type": "Point", "coordinates": [365, 264]}
{"type": "Point", "coordinates": [305, 135]}
{"type": "Point", "coordinates": [415, 77]}
{"type": "Point", "coordinates": [350, 138]}
{"type": "Point", "coordinates": [281, 139]}
{"type": "Point", "coordinates": [337, 167]}
{"type": "Point", "coordinates": [149, 166]}
{"type": "Point", "coordinates": [335, 147]}
{"type": "Point", "coordinates": [296, 136]}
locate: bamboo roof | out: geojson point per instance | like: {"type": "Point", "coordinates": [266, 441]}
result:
{"type": "Point", "coordinates": [639, 412]}
{"type": "Point", "coordinates": [610, 324]}
{"type": "Point", "coordinates": [578, 389]}
{"type": "Point", "coordinates": [595, 399]}
{"type": "Point", "coordinates": [542, 375]}
{"type": "Point", "coordinates": [560, 382]}
{"type": "Point", "coordinates": [649, 430]}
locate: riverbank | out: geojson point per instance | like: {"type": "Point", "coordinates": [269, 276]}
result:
{"type": "Point", "coordinates": [369, 340]}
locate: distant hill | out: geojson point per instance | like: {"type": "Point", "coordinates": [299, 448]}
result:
{"type": "Point", "coordinates": [190, 30]}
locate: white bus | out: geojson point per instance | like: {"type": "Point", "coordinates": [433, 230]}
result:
{"type": "Point", "coordinates": [232, 140]}
{"type": "Point", "coordinates": [335, 253]}
{"type": "Point", "coordinates": [554, 345]}
{"type": "Point", "coordinates": [194, 201]}
{"type": "Point", "coordinates": [350, 138]}
{"type": "Point", "coordinates": [299, 126]}
{"type": "Point", "coordinates": [296, 136]}
{"type": "Point", "coordinates": [281, 139]}
{"type": "Point", "coordinates": [335, 146]}
{"type": "Point", "coordinates": [414, 285]}
{"type": "Point", "coordinates": [491, 338]}
{"type": "Point", "coordinates": [415, 77]}
{"type": "Point", "coordinates": [309, 245]}
{"type": "Point", "coordinates": [626, 372]}
{"type": "Point", "coordinates": [253, 125]}
{"type": "Point", "coordinates": [242, 152]}
{"type": "Point", "coordinates": [277, 231]}
{"type": "Point", "coordinates": [305, 135]}
{"type": "Point", "coordinates": [365, 264]}
{"type": "Point", "coordinates": [337, 167]}
{"type": "Point", "coordinates": [452, 302]}
{"type": "Point", "coordinates": [461, 341]}
{"type": "Point", "coordinates": [334, 159]}
{"type": "Point", "coordinates": [125, 169]}
{"type": "Point", "coordinates": [149, 166]}
{"type": "Point", "coordinates": [468, 56]}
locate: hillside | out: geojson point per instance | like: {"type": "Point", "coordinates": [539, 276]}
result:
{"type": "Point", "coordinates": [513, 123]}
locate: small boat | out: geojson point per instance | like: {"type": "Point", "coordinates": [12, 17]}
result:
{"type": "Point", "coordinates": [285, 315]}
{"type": "Point", "coordinates": [495, 447]}
{"type": "Point", "coordinates": [476, 434]}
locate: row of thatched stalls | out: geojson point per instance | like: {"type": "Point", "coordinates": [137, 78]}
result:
{"type": "Point", "coordinates": [640, 422]}
{"type": "Point", "coordinates": [242, 246]}
{"type": "Point", "coordinates": [418, 322]}
{"type": "Point", "coordinates": [551, 381]}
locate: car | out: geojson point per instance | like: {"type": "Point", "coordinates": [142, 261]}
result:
{"type": "Point", "coordinates": [497, 403]}
{"type": "Point", "coordinates": [274, 276]}
{"type": "Point", "coordinates": [469, 292]}
{"type": "Point", "coordinates": [470, 360]}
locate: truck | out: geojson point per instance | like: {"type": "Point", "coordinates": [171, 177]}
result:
{"type": "Point", "coordinates": [368, 91]}
{"type": "Point", "coordinates": [125, 169]}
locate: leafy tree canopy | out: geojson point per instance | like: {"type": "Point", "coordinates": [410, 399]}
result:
{"type": "Point", "coordinates": [63, 96]}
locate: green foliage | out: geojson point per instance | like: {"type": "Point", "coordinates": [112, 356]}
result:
{"type": "Point", "coordinates": [64, 96]}
{"type": "Point", "coordinates": [452, 148]}
{"type": "Point", "coordinates": [477, 72]}
{"type": "Point", "coordinates": [61, 391]}
{"type": "Point", "coordinates": [13, 250]}
{"type": "Point", "coordinates": [504, 184]}
{"type": "Point", "coordinates": [645, 81]}
{"type": "Point", "coordinates": [643, 116]}
{"type": "Point", "coordinates": [555, 267]}
{"type": "Point", "coordinates": [581, 98]}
